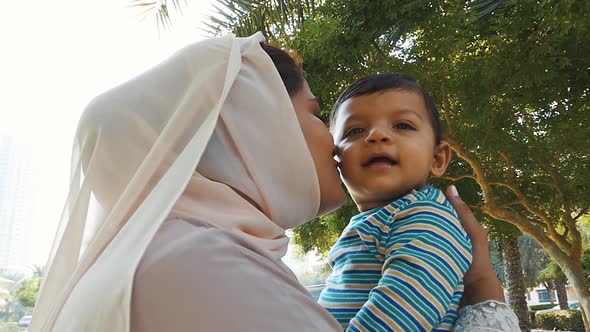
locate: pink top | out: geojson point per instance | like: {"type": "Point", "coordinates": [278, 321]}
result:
{"type": "Point", "coordinates": [195, 277]}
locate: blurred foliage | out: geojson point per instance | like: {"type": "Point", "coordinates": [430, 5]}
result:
{"type": "Point", "coordinates": [511, 79]}
{"type": "Point", "coordinates": [26, 293]}
{"type": "Point", "coordinates": [560, 320]}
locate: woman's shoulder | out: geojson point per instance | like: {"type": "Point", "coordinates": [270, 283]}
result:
{"type": "Point", "coordinates": [198, 276]}
{"type": "Point", "coordinates": [174, 240]}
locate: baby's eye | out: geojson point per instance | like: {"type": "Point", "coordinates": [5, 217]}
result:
{"type": "Point", "coordinates": [403, 126]}
{"type": "Point", "coordinates": [354, 131]}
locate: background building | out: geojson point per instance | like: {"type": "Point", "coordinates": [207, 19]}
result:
{"type": "Point", "coordinates": [17, 200]}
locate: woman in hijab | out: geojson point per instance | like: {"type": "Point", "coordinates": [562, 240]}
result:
{"type": "Point", "coordinates": [183, 183]}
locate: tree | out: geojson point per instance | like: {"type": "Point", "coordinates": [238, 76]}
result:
{"type": "Point", "coordinates": [321, 233]}
{"type": "Point", "coordinates": [553, 278]}
{"type": "Point", "coordinates": [38, 271]}
{"type": "Point", "coordinates": [11, 307]}
{"type": "Point", "coordinates": [515, 280]}
{"type": "Point", "coordinates": [497, 260]}
{"type": "Point", "coordinates": [508, 239]}
{"type": "Point", "coordinates": [533, 260]}
{"type": "Point", "coordinates": [26, 293]}
{"type": "Point", "coordinates": [512, 86]}
{"type": "Point", "coordinates": [160, 9]}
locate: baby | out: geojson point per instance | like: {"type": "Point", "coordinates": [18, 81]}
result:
{"type": "Point", "coordinates": [399, 264]}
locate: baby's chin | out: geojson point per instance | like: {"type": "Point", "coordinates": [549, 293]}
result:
{"type": "Point", "coordinates": [390, 194]}
{"type": "Point", "coordinates": [373, 200]}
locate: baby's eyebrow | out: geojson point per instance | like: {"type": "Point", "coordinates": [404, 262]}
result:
{"type": "Point", "coordinates": [351, 117]}
{"type": "Point", "coordinates": [411, 112]}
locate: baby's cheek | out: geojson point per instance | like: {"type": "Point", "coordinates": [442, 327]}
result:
{"type": "Point", "coordinates": [347, 159]}
{"type": "Point", "coordinates": [347, 173]}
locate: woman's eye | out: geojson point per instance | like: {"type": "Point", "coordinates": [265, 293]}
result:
{"type": "Point", "coordinates": [354, 131]}
{"type": "Point", "coordinates": [403, 126]}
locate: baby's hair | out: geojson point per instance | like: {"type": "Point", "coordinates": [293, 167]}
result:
{"type": "Point", "coordinates": [385, 82]}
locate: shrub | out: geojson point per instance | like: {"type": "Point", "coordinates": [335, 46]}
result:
{"type": "Point", "coordinates": [536, 307]}
{"type": "Point", "coordinates": [569, 320]}
{"type": "Point", "coordinates": [532, 319]}
{"type": "Point", "coordinates": [10, 327]}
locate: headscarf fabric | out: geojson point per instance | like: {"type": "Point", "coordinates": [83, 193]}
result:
{"type": "Point", "coordinates": [209, 134]}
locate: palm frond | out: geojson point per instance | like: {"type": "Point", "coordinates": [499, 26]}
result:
{"type": "Point", "coordinates": [245, 17]}
{"type": "Point", "coordinates": [160, 9]}
{"type": "Point", "coordinates": [484, 8]}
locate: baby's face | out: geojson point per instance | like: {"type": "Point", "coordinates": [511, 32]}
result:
{"type": "Point", "coordinates": [386, 145]}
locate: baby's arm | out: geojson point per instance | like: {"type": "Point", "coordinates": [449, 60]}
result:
{"type": "Point", "coordinates": [426, 256]}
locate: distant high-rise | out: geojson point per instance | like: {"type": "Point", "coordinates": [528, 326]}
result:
{"type": "Point", "coordinates": [17, 197]}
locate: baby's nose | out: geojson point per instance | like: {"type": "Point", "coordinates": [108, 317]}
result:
{"type": "Point", "coordinates": [378, 135]}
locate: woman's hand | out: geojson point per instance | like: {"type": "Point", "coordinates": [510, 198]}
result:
{"type": "Point", "coordinates": [481, 282]}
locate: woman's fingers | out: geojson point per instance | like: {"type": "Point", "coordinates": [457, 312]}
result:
{"type": "Point", "coordinates": [481, 282]}
{"type": "Point", "coordinates": [473, 228]}
{"type": "Point", "coordinates": [476, 232]}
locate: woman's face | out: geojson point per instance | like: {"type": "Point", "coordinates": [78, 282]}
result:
{"type": "Point", "coordinates": [321, 146]}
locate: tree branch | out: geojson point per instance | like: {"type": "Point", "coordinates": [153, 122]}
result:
{"type": "Point", "coordinates": [562, 241]}
{"type": "Point", "coordinates": [509, 204]}
{"type": "Point", "coordinates": [379, 50]}
{"type": "Point", "coordinates": [581, 213]}
{"type": "Point", "coordinates": [534, 229]}
{"type": "Point", "coordinates": [510, 173]}
{"type": "Point", "coordinates": [480, 176]}
{"type": "Point", "coordinates": [512, 186]}
{"type": "Point", "coordinates": [447, 108]}
{"type": "Point", "coordinates": [576, 248]}
{"type": "Point", "coordinates": [459, 177]}
{"type": "Point", "coordinates": [490, 203]}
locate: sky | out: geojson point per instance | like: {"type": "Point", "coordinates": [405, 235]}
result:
{"type": "Point", "coordinates": [56, 56]}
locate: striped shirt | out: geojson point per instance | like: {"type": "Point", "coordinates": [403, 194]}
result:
{"type": "Point", "coordinates": [399, 267]}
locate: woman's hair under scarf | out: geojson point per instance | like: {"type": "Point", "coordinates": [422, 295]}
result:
{"type": "Point", "coordinates": [217, 106]}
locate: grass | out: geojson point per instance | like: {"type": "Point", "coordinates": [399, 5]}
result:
{"type": "Point", "coordinates": [10, 327]}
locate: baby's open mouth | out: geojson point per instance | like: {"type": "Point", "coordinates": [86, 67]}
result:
{"type": "Point", "coordinates": [380, 161]}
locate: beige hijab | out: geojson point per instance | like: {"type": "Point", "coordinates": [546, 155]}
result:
{"type": "Point", "coordinates": [218, 106]}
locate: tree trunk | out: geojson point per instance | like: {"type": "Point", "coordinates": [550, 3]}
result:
{"type": "Point", "coordinates": [515, 281]}
{"type": "Point", "coordinates": [575, 275]}
{"type": "Point", "coordinates": [552, 298]}
{"type": "Point", "coordinates": [550, 290]}
{"type": "Point", "coordinates": [561, 293]}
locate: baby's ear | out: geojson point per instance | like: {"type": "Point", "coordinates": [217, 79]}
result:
{"type": "Point", "coordinates": [442, 157]}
